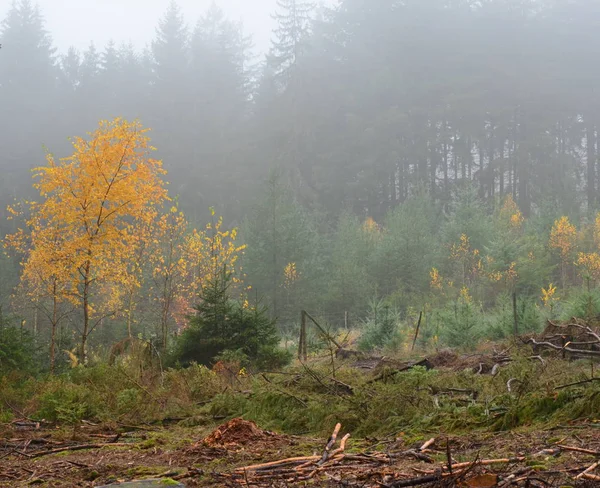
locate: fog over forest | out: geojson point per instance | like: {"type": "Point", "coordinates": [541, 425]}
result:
{"type": "Point", "coordinates": [77, 22]}
{"type": "Point", "coordinates": [374, 150]}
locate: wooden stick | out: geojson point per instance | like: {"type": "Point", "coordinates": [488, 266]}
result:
{"type": "Point", "coordinates": [486, 462]}
{"type": "Point", "coordinates": [448, 456]}
{"type": "Point", "coordinates": [331, 443]}
{"type": "Point", "coordinates": [427, 444]}
{"type": "Point", "coordinates": [587, 471]}
{"type": "Point", "coordinates": [323, 331]}
{"type": "Point", "coordinates": [80, 447]}
{"type": "Point", "coordinates": [422, 481]}
{"type": "Point", "coordinates": [579, 449]}
{"type": "Point", "coordinates": [576, 383]}
{"type": "Point", "coordinates": [341, 448]}
{"type": "Point", "coordinates": [278, 463]}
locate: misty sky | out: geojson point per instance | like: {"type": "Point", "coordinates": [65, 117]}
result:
{"type": "Point", "coordinates": [77, 22]}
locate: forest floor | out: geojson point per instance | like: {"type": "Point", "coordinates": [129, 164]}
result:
{"type": "Point", "coordinates": [95, 455]}
{"type": "Point", "coordinates": [507, 419]}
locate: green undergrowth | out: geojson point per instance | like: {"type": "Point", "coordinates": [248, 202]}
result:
{"type": "Point", "coordinates": [309, 400]}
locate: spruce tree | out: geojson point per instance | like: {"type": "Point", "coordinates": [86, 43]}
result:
{"type": "Point", "coordinates": [28, 94]}
{"type": "Point", "coordinates": [292, 35]}
{"type": "Point", "coordinates": [221, 325]}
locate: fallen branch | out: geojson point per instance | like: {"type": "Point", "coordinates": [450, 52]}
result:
{"type": "Point", "coordinates": [79, 448]}
{"type": "Point", "coordinates": [578, 449]}
{"type": "Point", "coordinates": [386, 374]}
{"type": "Point", "coordinates": [433, 478]}
{"type": "Point", "coordinates": [576, 383]}
{"type": "Point", "coordinates": [582, 352]}
{"type": "Point", "coordinates": [427, 444]}
{"type": "Point", "coordinates": [587, 471]}
{"type": "Point", "coordinates": [331, 443]}
{"type": "Point", "coordinates": [488, 462]}
{"type": "Point", "coordinates": [277, 464]}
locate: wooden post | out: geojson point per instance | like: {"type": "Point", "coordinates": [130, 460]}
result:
{"type": "Point", "coordinates": [302, 350]}
{"type": "Point", "coordinates": [417, 331]}
{"type": "Point", "coordinates": [346, 320]}
{"type": "Point", "coordinates": [515, 316]}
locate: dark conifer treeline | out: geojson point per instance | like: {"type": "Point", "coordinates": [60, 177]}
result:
{"type": "Point", "coordinates": [359, 107]}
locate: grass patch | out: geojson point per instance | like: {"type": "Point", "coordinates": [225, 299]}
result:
{"type": "Point", "coordinates": [411, 403]}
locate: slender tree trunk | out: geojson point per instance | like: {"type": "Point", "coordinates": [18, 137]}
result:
{"type": "Point", "coordinates": [482, 173]}
{"type": "Point", "coordinates": [401, 181]}
{"type": "Point", "coordinates": [35, 322]}
{"type": "Point", "coordinates": [501, 171]}
{"type": "Point", "coordinates": [129, 305]}
{"type": "Point", "coordinates": [591, 166]}
{"type": "Point", "coordinates": [53, 332]}
{"type": "Point", "coordinates": [164, 320]}
{"type": "Point", "coordinates": [469, 154]}
{"type": "Point", "coordinates": [86, 313]}
{"type": "Point", "coordinates": [463, 160]}
{"type": "Point", "coordinates": [491, 169]}
{"type": "Point", "coordinates": [433, 166]}
{"type": "Point", "coordinates": [274, 259]}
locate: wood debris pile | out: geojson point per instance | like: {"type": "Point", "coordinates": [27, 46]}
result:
{"type": "Point", "coordinates": [574, 340]}
{"type": "Point", "coordinates": [395, 469]}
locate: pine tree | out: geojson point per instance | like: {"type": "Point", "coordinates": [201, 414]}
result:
{"type": "Point", "coordinates": [170, 50]}
{"type": "Point", "coordinates": [89, 99]}
{"type": "Point", "coordinates": [28, 94]}
{"type": "Point", "coordinates": [169, 92]}
{"type": "Point", "coordinates": [70, 68]}
{"type": "Point", "coordinates": [219, 100]}
{"type": "Point", "coordinates": [109, 86]}
{"type": "Point", "coordinates": [291, 37]}
{"type": "Point", "coordinates": [89, 70]}
{"type": "Point", "coordinates": [133, 80]}
{"type": "Point", "coordinates": [279, 232]}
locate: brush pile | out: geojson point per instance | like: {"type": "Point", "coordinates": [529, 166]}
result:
{"type": "Point", "coordinates": [398, 468]}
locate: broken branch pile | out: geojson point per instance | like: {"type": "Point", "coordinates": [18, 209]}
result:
{"type": "Point", "coordinates": [337, 467]}
{"type": "Point", "coordinates": [576, 339]}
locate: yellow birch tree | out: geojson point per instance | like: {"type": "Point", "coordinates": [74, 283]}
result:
{"type": "Point", "coordinates": [169, 266]}
{"type": "Point", "coordinates": [563, 238]}
{"type": "Point", "coordinates": [43, 278]}
{"type": "Point", "coordinates": [96, 201]}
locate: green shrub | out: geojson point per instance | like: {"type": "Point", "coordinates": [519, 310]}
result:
{"type": "Point", "coordinates": [460, 324]}
{"type": "Point", "coordinates": [500, 322]}
{"type": "Point", "coordinates": [67, 402]}
{"type": "Point", "coordinates": [380, 326]}
{"type": "Point", "coordinates": [195, 383]}
{"type": "Point", "coordinates": [128, 400]}
{"type": "Point", "coordinates": [581, 303]}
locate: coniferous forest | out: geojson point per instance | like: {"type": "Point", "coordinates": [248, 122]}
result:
{"type": "Point", "coordinates": [410, 175]}
{"type": "Point", "coordinates": [410, 156]}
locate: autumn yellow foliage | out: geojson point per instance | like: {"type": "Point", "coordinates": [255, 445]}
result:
{"type": "Point", "coordinates": [85, 229]}
{"type": "Point", "coordinates": [563, 237]}
{"type": "Point", "coordinates": [510, 215]}
{"type": "Point", "coordinates": [185, 262]}
{"type": "Point", "coordinates": [589, 265]}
